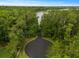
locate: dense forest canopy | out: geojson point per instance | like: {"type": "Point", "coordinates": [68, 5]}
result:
{"type": "Point", "coordinates": [59, 25]}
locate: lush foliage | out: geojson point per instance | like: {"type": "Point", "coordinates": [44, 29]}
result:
{"type": "Point", "coordinates": [16, 24]}
{"type": "Point", "coordinates": [62, 27]}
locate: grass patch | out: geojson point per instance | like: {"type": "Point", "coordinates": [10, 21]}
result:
{"type": "Point", "coordinates": [48, 39]}
{"type": "Point", "coordinates": [23, 55]}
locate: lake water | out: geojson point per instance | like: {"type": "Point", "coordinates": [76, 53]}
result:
{"type": "Point", "coordinates": [37, 48]}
